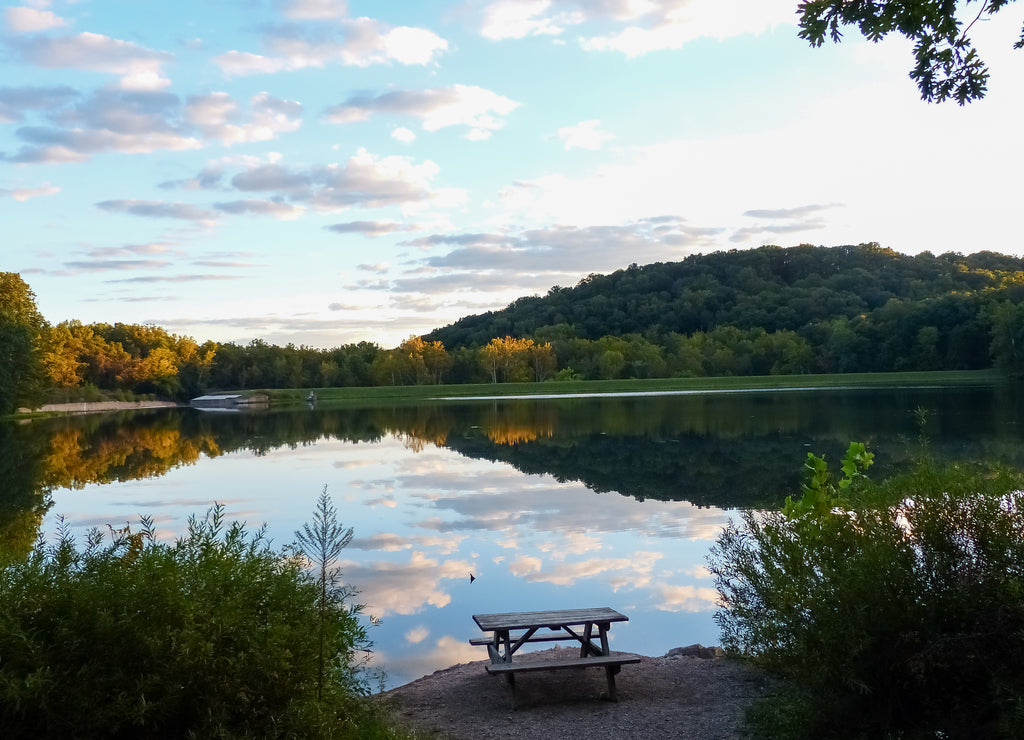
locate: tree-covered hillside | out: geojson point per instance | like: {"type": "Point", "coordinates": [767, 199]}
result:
{"type": "Point", "coordinates": [771, 288]}
{"type": "Point", "coordinates": [766, 311]}
{"type": "Point", "coordinates": [859, 307]}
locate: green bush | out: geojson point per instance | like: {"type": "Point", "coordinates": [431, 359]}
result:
{"type": "Point", "coordinates": [894, 609]}
{"type": "Point", "coordinates": [214, 636]}
{"type": "Point", "coordinates": [91, 394]}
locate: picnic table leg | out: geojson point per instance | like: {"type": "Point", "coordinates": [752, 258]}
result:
{"type": "Point", "coordinates": [585, 642]}
{"type": "Point", "coordinates": [501, 637]}
{"type": "Point", "coordinates": [610, 671]}
{"type": "Point", "coordinates": [510, 679]}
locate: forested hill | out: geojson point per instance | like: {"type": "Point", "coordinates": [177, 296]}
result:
{"type": "Point", "coordinates": [769, 288]}
{"type": "Point", "coordinates": [764, 311]}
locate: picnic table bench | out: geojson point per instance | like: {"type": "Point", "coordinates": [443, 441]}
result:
{"type": "Point", "coordinates": [568, 624]}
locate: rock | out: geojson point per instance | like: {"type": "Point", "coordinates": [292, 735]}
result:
{"type": "Point", "coordinates": [696, 651]}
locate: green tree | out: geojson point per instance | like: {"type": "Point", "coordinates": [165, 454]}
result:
{"type": "Point", "coordinates": [24, 500]}
{"type": "Point", "coordinates": [508, 358]}
{"type": "Point", "coordinates": [321, 543]}
{"type": "Point", "coordinates": [1008, 336]}
{"type": "Point", "coordinates": [22, 332]}
{"type": "Point", "coordinates": [946, 63]}
{"type": "Point", "coordinates": [427, 361]}
{"type": "Point", "coordinates": [392, 367]}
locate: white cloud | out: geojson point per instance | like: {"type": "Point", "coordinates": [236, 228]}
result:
{"type": "Point", "coordinates": [525, 565]}
{"type": "Point", "coordinates": [315, 9]}
{"type": "Point", "coordinates": [140, 68]}
{"type": "Point", "coordinates": [404, 135]}
{"type": "Point", "coordinates": [417, 635]}
{"type": "Point", "coordinates": [686, 598]}
{"type": "Point", "coordinates": [157, 209]}
{"type": "Point", "coordinates": [31, 20]}
{"type": "Point", "coordinates": [242, 63]}
{"type": "Point", "coordinates": [634, 571]}
{"type": "Point", "coordinates": [366, 42]}
{"type": "Point", "coordinates": [23, 194]}
{"type": "Point", "coordinates": [16, 101]}
{"type": "Point", "coordinates": [677, 23]}
{"type": "Point", "coordinates": [515, 19]}
{"type": "Point", "coordinates": [407, 45]}
{"type": "Point", "coordinates": [370, 228]}
{"type": "Point", "coordinates": [654, 24]}
{"type": "Point", "coordinates": [556, 251]}
{"type": "Point", "coordinates": [391, 542]}
{"type": "Point", "coordinates": [584, 135]}
{"type": "Point", "coordinates": [137, 122]}
{"type": "Point", "coordinates": [437, 108]}
{"type": "Point", "coordinates": [364, 179]}
{"type": "Point", "coordinates": [217, 115]}
{"type": "Point", "coordinates": [277, 209]}
{"type": "Point", "coordinates": [272, 176]}
{"type": "Point", "coordinates": [373, 182]}
{"type": "Point", "coordinates": [53, 146]}
{"type": "Point", "coordinates": [404, 588]}
{"type": "Point", "coordinates": [446, 651]}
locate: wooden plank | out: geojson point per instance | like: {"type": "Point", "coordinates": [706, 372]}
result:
{"type": "Point", "coordinates": [554, 665]}
{"type": "Point", "coordinates": [519, 643]}
{"type": "Point", "coordinates": [516, 638]}
{"type": "Point", "coordinates": [493, 653]}
{"type": "Point", "coordinates": [554, 619]}
{"type": "Point", "coordinates": [587, 646]}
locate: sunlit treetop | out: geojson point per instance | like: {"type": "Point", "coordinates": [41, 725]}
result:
{"type": "Point", "coordinates": [947, 64]}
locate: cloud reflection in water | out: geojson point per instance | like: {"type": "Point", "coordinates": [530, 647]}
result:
{"type": "Point", "coordinates": [425, 517]}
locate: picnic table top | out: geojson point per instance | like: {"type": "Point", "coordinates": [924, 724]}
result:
{"type": "Point", "coordinates": [555, 619]}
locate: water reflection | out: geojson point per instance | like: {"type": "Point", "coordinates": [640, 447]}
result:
{"type": "Point", "coordinates": [549, 504]}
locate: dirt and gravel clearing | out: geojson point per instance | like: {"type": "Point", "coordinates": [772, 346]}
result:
{"type": "Point", "coordinates": [659, 698]}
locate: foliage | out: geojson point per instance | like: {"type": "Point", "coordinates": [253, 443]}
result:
{"type": "Point", "coordinates": [23, 501]}
{"type": "Point", "coordinates": [1008, 336]}
{"type": "Point", "coordinates": [127, 357]}
{"type": "Point", "coordinates": [766, 311]}
{"type": "Point", "coordinates": [896, 609]}
{"type": "Point", "coordinates": [514, 360]}
{"type": "Point", "coordinates": [321, 544]}
{"type": "Point", "coordinates": [946, 63]}
{"type": "Point", "coordinates": [21, 335]}
{"type": "Point", "coordinates": [215, 635]}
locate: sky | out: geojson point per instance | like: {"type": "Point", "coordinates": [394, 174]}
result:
{"type": "Point", "coordinates": [323, 172]}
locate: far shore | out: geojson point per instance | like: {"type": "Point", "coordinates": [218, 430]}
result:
{"type": "Point", "coordinates": [371, 395]}
{"type": "Point", "coordinates": [91, 407]}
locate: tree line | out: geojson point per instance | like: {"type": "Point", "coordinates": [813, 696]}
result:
{"type": "Point", "coordinates": [764, 311]}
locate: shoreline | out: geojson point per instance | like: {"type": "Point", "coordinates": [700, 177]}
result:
{"type": "Point", "coordinates": [678, 695]}
{"type": "Point", "coordinates": [92, 407]}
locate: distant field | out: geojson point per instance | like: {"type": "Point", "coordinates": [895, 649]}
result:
{"type": "Point", "coordinates": [412, 393]}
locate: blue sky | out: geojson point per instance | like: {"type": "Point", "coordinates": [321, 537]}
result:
{"type": "Point", "coordinates": [324, 172]}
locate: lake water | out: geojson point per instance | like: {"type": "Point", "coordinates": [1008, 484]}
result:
{"type": "Point", "coordinates": [549, 503]}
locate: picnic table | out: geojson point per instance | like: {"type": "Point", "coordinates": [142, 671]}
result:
{"type": "Point", "coordinates": [509, 631]}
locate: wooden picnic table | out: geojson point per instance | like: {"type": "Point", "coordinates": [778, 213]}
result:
{"type": "Point", "coordinates": [577, 625]}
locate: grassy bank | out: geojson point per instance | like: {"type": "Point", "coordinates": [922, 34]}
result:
{"type": "Point", "coordinates": [416, 393]}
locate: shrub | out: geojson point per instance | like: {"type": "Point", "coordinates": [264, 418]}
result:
{"type": "Point", "coordinates": [895, 609]}
{"type": "Point", "coordinates": [216, 636]}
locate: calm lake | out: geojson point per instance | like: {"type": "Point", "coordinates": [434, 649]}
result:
{"type": "Point", "coordinates": [549, 503]}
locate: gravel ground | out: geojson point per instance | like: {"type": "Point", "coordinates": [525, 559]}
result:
{"type": "Point", "coordinates": [659, 698]}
